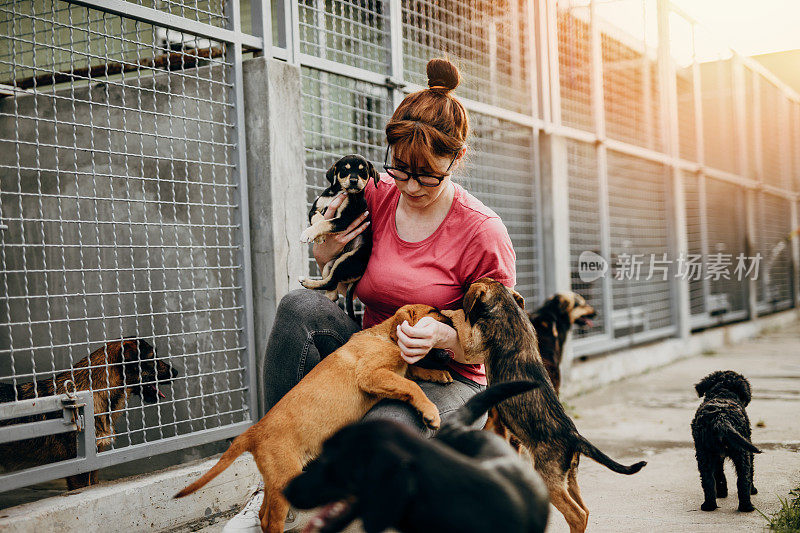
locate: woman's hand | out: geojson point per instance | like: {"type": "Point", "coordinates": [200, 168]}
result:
{"type": "Point", "coordinates": [333, 244]}
{"type": "Point", "coordinates": [416, 341]}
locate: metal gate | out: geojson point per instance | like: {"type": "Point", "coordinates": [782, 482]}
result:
{"type": "Point", "coordinates": [121, 203]}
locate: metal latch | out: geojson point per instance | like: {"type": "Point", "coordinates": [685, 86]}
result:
{"type": "Point", "coordinates": [71, 405]}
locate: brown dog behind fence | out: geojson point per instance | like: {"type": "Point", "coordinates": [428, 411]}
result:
{"type": "Point", "coordinates": [113, 373]}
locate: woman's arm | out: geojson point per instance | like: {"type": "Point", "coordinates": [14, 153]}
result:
{"type": "Point", "coordinates": [333, 244]}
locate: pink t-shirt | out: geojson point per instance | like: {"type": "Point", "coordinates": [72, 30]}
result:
{"type": "Point", "coordinates": [470, 243]}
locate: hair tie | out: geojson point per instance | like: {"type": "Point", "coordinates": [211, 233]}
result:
{"type": "Point", "coordinates": [440, 87]}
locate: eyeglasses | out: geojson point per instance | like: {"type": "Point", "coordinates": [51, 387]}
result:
{"type": "Point", "coordinates": [426, 180]}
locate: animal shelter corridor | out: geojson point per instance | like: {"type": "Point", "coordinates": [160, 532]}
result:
{"type": "Point", "coordinates": [158, 159]}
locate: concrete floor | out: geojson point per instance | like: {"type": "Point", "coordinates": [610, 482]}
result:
{"type": "Point", "coordinates": [647, 417]}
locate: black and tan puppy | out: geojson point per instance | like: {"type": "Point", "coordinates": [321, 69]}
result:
{"type": "Point", "coordinates": [497, 331]}
{"type": "Point", "coordinates": [552, 322]}
{"type": "Point", "coordinates": [113, 372]}
{"type": "Point", "coordinates": [351, 175]}
{"type": "Point", "coordinates": [338, 391]}
{"type": "Point", "coordinates": [721, 429]}
{"type": "Point", "coordinates": [461, 481]}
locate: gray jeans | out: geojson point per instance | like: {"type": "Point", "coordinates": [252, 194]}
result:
{"type": "Point", "coordinates": [308, 327]}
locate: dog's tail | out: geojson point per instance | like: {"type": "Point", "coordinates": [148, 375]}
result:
{"type": "Point", "coordinates": [348, 301]}
{"type": "Point", "coordinates": [239, 445]}
{"type": "Point", "coordinates": [733, 438]}
{"type": "Point", "coordinates": [590, 450]}
{"type": "Point", "coordinates": [483, 401]}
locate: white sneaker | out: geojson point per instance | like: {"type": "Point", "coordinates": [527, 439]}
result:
{"type": "Point", "coordinates": [246, 521]}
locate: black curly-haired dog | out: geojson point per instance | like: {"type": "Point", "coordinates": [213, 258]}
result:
{"type": "Point", "coordinates": [721, 429]}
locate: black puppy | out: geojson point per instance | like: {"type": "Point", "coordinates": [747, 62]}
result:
{"type": "Point", "coordinates": [350, 174]}
{"type": "Point", "coordinates": [721, 429]}
{"type": "Point", "coordinates": [463, 480]}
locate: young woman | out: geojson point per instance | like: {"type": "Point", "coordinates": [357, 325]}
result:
{"type": "Point", "coordinates": [430, 240]}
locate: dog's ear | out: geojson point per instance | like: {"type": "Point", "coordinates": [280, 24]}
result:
{"type": "Point", "coordinates": [389, 491]}
{"type": "Point", "coordinates": [373, 174]}
{"type": "Point", "coordinates": [437, 314]}
{"type": "Point", "coordinates": [741, 387]}
{"type": "Point", "coordinates": [706, 383]}
{"type": "Point", "coordinates": [518, 298]}
{"type": "Point", "coordinates": [473, 304]}
{"type": "Point", "coordinates": [331, 174]}
{"type": "Point", "coordinates": [131, 350]}
{"type": "Point", "coordinates": [405, 313]}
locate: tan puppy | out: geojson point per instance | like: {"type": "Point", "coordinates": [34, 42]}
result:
{"type": "Point", "coordinates": [338, 391]}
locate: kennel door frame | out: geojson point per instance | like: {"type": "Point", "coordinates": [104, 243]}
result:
{"type": "Point", "coordinates": [87, 450]}
{"type": "Point", "coordinates": [88, 457]}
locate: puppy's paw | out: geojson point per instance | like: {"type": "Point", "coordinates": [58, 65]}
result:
{"type": "Point", "coordinates": [430, 414]}
{"type": "Point", "coordinates": [309, 235]}
{"type": "Point", "coordinates": [429, 374]}
{"type": "Point", "coordinates": [753, 490]}
{"type": "Point", "coordinates": [746, 507]}
{"type": "Point", "coordinates": [708, 506]}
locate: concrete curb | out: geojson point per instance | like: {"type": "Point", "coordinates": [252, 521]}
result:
{"type": "Point", "coordinates": [142, 503]}
{"type": "Point", "coordinates": [596, 372]}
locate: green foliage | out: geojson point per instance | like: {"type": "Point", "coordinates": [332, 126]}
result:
{"type": "Point", "coordinates": [787, 518]}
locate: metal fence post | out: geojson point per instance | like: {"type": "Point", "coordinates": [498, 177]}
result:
{"type": "Point", "coordinates": [555, 193]}
{"type": "Point", "coordinates": [795, 249]}
{"type": "Point", "coordinates": [277, 192]}
{"type": "Point", "coordinates": [669, 119]}
{"type": "Point", "coordinates": [598, 112]}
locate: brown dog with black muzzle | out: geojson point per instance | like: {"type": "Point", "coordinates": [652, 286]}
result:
{"type": "Point", "coordinates": [496, 330]}
{"type": "Point", "coordinates": [338, 391]}
{"type": "Point", "coordinates": [113, 372]}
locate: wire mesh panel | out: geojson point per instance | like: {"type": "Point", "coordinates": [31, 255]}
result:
{"type": "Point", "coordinates": [726, 243]}
{"type": "Point", "coordinates": [488, 41]}
{"type": "Point", "coordinates": [575, 64]}
{"type": "Point", "coordinates": [773, 221]}
{"type": "Point", "coordinates": [340, 116]}
{"type": "Point", "coordinates": [772, 134]}
{"type": "Point", "coordinates": [630, 80]}
{"type": "Point", "coordinates": [119, 189]}
{"type": "Point", "coordinates": [584, 227]}
{"type": "Point", "coordinates": [692, 185]}
{"type": "Point", "coordinates": [500, 173]}
{"type": "Point", "coordinates": [752, 129]}
{"type": "Point", "coordinates": [208, 11]}
{"type": "Point", "coordinates": [719, 134]}
{"type": "Point", "coordinates": [354, 33]}
{"type": "Point", "coordinates": [638, 226]}
{"type": "Point", "coordinates": [681, 32]}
